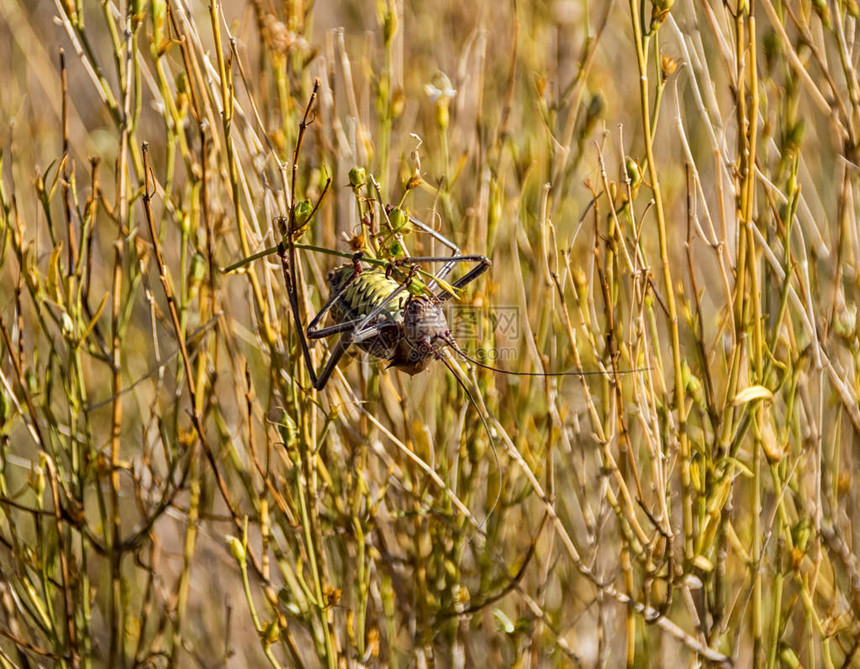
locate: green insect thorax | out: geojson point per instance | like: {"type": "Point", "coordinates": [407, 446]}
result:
{"type": "Point", "coordinates": [364, 294]}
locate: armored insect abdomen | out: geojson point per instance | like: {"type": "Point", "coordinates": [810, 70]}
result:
{"type": "Point", "coordinates": [366, 292]}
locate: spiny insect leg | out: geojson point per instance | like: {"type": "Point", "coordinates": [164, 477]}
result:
{"type": "Point", "coordinates": [337, 328]}
{"type": "Point", "coordinates": [335, 355]}
{"type": "Point", "coordinates": [328, 331]}
{"type": "Point", "coordinates": [340, 347]}
{"type": "Point", "coordinates": [354, 332]}
{"type": "Point", "coordinates": [482, 264]}
{"type": "Point", "coordinates": [451, 261]}
{"type": "Point", "coordinates": [288, 265]}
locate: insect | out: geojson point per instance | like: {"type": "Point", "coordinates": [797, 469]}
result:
{"type": "Point", "coordinates": [385, 317]}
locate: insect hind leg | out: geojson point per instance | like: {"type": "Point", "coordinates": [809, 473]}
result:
{"type": "Point", "coordinates": [287, 254]}
{"type": "Point", "coordinates": [451, 261]}
{"type": "Point", "coordinates": [482, 264]}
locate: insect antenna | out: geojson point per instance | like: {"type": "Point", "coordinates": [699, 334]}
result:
{"type": "Point", "coordinates": [477, 363]}
{"type": "Point", "coordinates": [444, 358]}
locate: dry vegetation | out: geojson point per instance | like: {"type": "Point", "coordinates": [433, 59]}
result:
{"type": "Point", "coordinates": [669, 199]}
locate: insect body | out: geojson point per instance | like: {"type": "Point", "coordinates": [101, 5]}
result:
{"type": "Point", "coordinates": [405, 328]}
{"type": "Point", "coordinates": [373, 311]}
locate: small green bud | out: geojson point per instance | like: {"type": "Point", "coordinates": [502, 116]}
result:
{"type": "Point", "coordinates": [37, 480]}
{"type": "Point", "coordinates": [237, 550]}
{"type": "Point", "coordinates": [32, 381]}
{"type": "Point", "coordinates": [198, 268]}
{"type": "Point", "coordinates": [443, 115]}
{"type": "Point", "coordinates": [823, 10]}
{"type": "Point", "coordinates": [789, 658]}
{"type": "Point", "coordinates": [399, 220]}
{"type": "Point", "coordinates": [772, 49]}
{"type": "Point", "coordinates": [357, 177]}
{"type": "Point", "coordinates": [185, 223]}
{"type": "Point", "coordinates": [494, 215]}
{"type": "Point", "coordinates": [270, 633]}
{"type": "Point", "coordinates": [182, 85]}
{"type": "Point", "coordinates": [288, 430]}
{"type": "Point", "coordinates": [800, 534]}
{"type": "Point", "coordinates": [596, 109]}
{"type": "Point", "coordinates": [159, 20]}
{"type": "Point", "coordinates": [845, 319]}
{"type": "Point", "coordinates": [634, 172]}
{"type": "Point", "coordinates": [303, 212]}
{"type": "Point", "coordinates": [795, 135]}
{"type": "Point", "coordinates": [395, 250]}
{"type": "Point", "coordinates": [5, 407]}
{"type": "Point", "coordinates": [692, 384]}
{"type": "Point", "coordinates": [389, 22]}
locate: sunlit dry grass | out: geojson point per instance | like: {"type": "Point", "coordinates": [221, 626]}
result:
{"type": "Point", "coordinates": [668, 195]}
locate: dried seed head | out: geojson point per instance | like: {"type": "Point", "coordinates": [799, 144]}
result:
{"type": "Point", "coordinates": [356, 243]}
{"type": "Point", "coordinates": [668, 65]}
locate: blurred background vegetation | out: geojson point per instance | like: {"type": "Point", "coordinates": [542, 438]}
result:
{"type": "Point", "coordinates": [669, 195]}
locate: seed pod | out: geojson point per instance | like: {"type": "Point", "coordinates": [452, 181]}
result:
{"type": "Point", "coordinates": [237, 550]}
{"type": "Point", "coordinates": [668, 65]}
{"type": "Point", "coordinates": [357, 177]}
{"type": "Point", "coordinates": [303, 212]}
{"type": "Point", "coordinates": [659, 11]}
